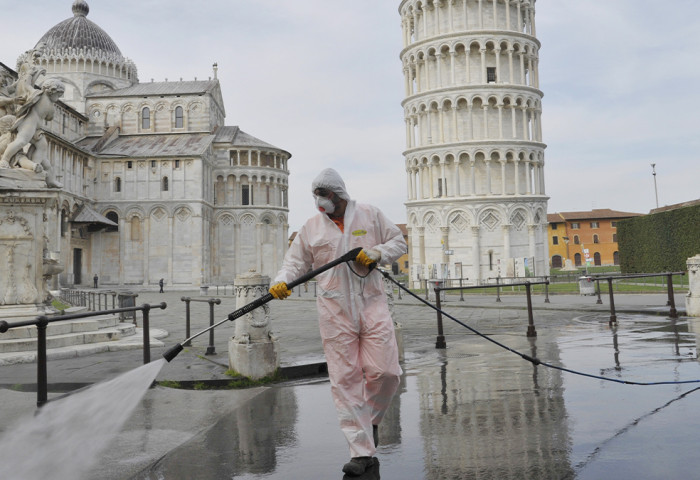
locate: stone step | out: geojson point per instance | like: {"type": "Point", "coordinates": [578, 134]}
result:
{"type": "Point", "coordinates": [63, 327]}
{"type": "Point", "coordinates": [130, 342]}
{"type": "Point", "coordinates": [109, 331]}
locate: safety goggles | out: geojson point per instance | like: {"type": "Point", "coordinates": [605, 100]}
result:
{"type": "Point", "coordinates": [322, 192]}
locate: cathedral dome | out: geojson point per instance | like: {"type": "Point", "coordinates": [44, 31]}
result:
{"type": "Point", "coordinates": [79, 33]}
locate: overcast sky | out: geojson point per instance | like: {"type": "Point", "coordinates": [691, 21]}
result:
{"type": "Point", "coordinates": [322, 79]}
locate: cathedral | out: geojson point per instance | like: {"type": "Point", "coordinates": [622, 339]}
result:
{"type": "Point", "coordinates": [149, 182]}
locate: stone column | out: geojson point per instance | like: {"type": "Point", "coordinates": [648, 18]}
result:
{"type": "Point", "coordinates": [692, 300]}
{"type": "Point", "coordinates": [252, 351]}
{"type": "Point", "coordinates": [476, 255]}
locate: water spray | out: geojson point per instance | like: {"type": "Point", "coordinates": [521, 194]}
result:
{"type": "Point", "coordinates": [173, 351]}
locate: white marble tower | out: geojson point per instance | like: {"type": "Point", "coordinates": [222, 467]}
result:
{"type": "Point", "coordinates": [474, 155]}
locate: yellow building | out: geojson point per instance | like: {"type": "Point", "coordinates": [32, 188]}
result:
{"type": "Point", "coordinates": [584, 237]}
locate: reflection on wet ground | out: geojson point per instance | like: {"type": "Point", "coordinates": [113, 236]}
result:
{"type": "Point", "coordinates": [475, 411]}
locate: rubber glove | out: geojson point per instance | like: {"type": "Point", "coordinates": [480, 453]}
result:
{"type": "Point", "coordinates": [280, 291]}
{"type": "Point", "coordinates": [368, 256]}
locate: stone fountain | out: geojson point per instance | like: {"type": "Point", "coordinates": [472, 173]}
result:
{"type": "Point", "coordinates": [28, 192]}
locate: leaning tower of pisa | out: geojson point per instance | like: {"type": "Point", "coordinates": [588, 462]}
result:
{"type": "Point", "coordinates": [474, 155]}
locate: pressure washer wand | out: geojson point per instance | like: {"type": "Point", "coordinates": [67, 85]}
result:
{"type": "Point", "coordinates": [173, 351]}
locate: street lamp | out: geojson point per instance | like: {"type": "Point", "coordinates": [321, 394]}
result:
{"type": "Point", "coordinates": [653, 172]}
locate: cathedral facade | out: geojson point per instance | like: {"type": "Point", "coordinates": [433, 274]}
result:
{"type": "Point", "coordinates": [151, 182]}
{"type": "Point", "coordinates": [474, 155]}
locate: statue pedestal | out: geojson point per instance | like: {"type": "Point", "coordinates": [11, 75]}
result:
{"type": "Point", "coordinates": [27, 222]}
{"type": "Point", "coordinates": [252, 351]}
{"type": "Point", "coordinates": [692, 300]}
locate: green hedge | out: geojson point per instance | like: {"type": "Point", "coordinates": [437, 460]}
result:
{"type": "Point", "coordinates": [661, 242]}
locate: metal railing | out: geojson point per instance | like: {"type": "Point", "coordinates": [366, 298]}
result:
{"type": "Point", "coordinates": [531, 332]}
{"type": "Point", "coordinates": [92, 299]}
{"type": "Point", "coordinates": [671, 302]}
{"type": "Point", "coordinates": [211, 350]}
{"type": "Point", "coordinates": [41, 322]}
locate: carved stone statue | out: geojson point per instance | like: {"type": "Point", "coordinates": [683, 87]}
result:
{"type": "Point", "coordinates": [24, 105]}
{"type": "Point", "coordinates": [22, 141]}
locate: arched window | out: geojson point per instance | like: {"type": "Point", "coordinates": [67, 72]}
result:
{"type": "Point", "coordinates": [595, 239]}
{"type": "Point", "coordinates": [576, 240]}
{"type": "Point", "coordinates": [616, 258]}
{"type": "Point", "coordinates": [164, 185]}
{"type": "Point", "coordinates": [146, 118]}
{"type": "Point", "coordinates": [577, 259]}
{"type": "Point", "coordinates": [115, 218]}
{"type": "Point", "coordinates": [64, 222]}
{"type": "Point", "coordinates": [178, 117]}
{"type": "Point", "coordinates": [596, 258]}
{"type": "Point", "coordinates": [118, 184]}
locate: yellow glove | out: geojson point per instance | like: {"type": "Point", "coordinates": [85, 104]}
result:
{"type": "Point", "coordinates": [280, 291]}
{"type": "Point", "coordinates": [368, 256]}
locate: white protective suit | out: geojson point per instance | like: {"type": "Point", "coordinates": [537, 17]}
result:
{"type": "Point", "coordinates": [354, 318]}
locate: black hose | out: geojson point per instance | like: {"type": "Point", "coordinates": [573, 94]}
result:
{"type": "Point", "coordinates": [533, 360]}
{"type": "Point", "coordinates": [173, 351]}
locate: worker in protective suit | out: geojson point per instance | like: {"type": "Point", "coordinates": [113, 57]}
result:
{"type": "Point", "coordinates": [354, 319]}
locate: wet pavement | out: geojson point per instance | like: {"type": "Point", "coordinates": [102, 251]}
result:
{"type": "Point", "coordinates": [473, 410]}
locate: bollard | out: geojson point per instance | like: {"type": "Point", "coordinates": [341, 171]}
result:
{"type": "Point", "coordinates": [546, 290]}
{"type": "Point", "coordinates": [440, 342]}
{"type": "Point", "coordinates": [461, 292]}
{"type": "Point", "coordinates": [253, 350]}
{"type": "Point", "coordinates": [498, 289]}
{"type": "Point", "coordinates": [530, 321]}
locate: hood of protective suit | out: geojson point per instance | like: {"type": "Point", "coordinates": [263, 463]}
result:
{"type": "Point", "coordinates": [330, 179]}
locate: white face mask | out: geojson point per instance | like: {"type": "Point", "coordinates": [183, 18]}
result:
{"type": "Point", "coordinates": [324, 204]}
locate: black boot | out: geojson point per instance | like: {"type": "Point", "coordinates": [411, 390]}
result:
{"type": "Point", "coordinates": [357, 465]}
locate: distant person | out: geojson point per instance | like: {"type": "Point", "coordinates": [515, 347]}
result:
{"type": "Point", "coordinates": [354, 319]}
{"type": "Point", "coordinates": [161, 283]}
{"type": "Point", "coordinates": [94, 280]}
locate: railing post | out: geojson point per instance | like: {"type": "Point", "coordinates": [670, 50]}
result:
{"type": "Point", "coordinates": [440, 342]}
{"type": "Point", "coordinates": [546, 289]}
{"type": "Point", "coordinates": [498, 289]}
{"type": "Point", "coordinates": [427, 296]}
{"type": "Point", "coordinates": [671, 301]}
{"type": "Point", "coordinates": [461, 292]}
{"type": "Point", "coordinates": [41, 376]}
{"type": "Point", "coordinates": [531, 332]}
{"type": "Point", "coordinates": [316, 286]}
{"type": "Point", "coordinates": [613, 316]}
{"type": "Point", "coordinates": [146, 334]}
{"type": "Point", "coordinates": [187, 321]}
{"type": "Point", "coordinates": [211, 350]}
{"type": "Point", "coordinates": [597, 287]}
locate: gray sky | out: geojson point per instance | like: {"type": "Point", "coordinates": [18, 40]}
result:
{"type": "Point", "coordinates": [322, 79]}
